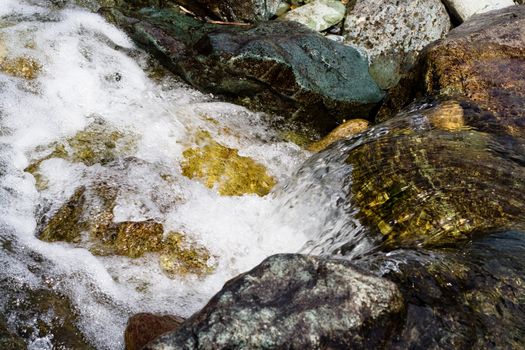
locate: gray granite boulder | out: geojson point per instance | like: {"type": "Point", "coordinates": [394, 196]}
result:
{"type": "Point", "coordinates": [293, 302]}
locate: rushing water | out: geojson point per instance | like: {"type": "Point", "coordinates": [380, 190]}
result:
{"type": "Point", "coordinates": [91, 72]}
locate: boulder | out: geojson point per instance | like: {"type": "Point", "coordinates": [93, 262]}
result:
{"type": "Point", "coordinates": [441, 173]}
{"type": "Point", "coordinates": [466, 298]}
{"type": "Point", "coordinates": [293, 302]}
{"type": "Point", "coordinates": [482, 60]}
{"type": "Point", "coordinates": [277, 67]}
{"type": "Point", "coordinates": [464, 9]}
{"type": "Point", "coordinates": [317, 15]}
{"type": "Point", "coordinates": [392, 33]}
{"type": "Point", "coordinates": [144, 327]}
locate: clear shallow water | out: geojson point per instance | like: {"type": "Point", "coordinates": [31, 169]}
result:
{"type": "Point", "coordinates": [91, 72]}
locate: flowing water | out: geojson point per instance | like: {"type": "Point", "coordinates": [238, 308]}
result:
{"type": "Point", "coordinates": [64, 69]}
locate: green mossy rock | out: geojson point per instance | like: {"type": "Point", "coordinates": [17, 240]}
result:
{"type": "Point", "coordinates": [277, 67]}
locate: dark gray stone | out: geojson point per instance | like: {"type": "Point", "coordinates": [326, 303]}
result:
{"type": "Point", "coordinates": [293, 302]}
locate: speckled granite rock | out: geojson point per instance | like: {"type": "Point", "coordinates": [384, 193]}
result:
{"type": "Point", "coordinates": [293, 302]}
{"type": "Point", "coordinates": [277, 67]}
{"type": "Point", "coordinates": [393, 32]}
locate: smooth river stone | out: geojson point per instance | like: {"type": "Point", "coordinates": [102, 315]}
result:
{"type": "Point", "coordinates": [317, 15]}
{"type": "Point", "coordinates": [464, 9]}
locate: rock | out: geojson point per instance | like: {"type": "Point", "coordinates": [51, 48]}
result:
{"type": "Point", "coordinates": [9, 340]}
{"type": "Point", "coordinates": [392, 33]}
{"type": "Point", "coordinates": [220, 167]}
{"type": "Point", "coordinates": [345, 130]}
{"type": "Point", "coordinates": [482, 60]}
{"type": "Point", "coordinates": [133, 239]}
{"type": "Point", "coordinates": [293, 302]}
{"type": "Point", "coordinates": [464, 9]}
{"type": "Point", "coordinates": [180, 256]}
{"type": "Point", "coordinates": [317, 15]}
{"type": "Point", "coordinates": [21, 67]}
{"type": "Point", "coordinates": [234, 10]}
{"type": "Point", "coordinates": [144, 327]}
{"type": "Point", "coordinates": [466, 298]}
{"type": "Point", "coordinates": [38, 313]}
{"type": "Point", "coordinates": [439, 174]}
{"type": "Point", "coordinates": [86, 220]}
{"type": "Point", "coordinates": [64, 224]}
{"type": "Point", "coordinates": [277, 67]}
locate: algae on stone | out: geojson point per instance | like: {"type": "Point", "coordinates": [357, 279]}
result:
{"type": "Point", "coordinates": [221, 167]}
{"type": "Point", "coordinates": [181, 256]}
{"type": "Point", "coordinates": [133, 239]}
{"type": "Point", "coordinates": [65, 224]}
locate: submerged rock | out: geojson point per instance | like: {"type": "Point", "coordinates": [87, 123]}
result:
{"type": "Point", "coordinates": [144, 327]}
{"type": "Point", "coordinates": [86, 220]}
{"type": "Point", "coordinates": [393, 33]}
{"type": "Point", "coordinates": [436, 175]}
{"type": "Point", "coordinates": [466, 298]}
{"type": "Point", "coordinates": [9, 340]}
{"type": "Point", "coordinates": [277, 67]}
{"type": "Point", "coordinates": [343, 131]}
{"type": "Point", "coordinates": [21, 67]}
{"type": "Point", "coordinates": [464, 9]}
{"type": "Point", "coordinates": [220, 167]}
{"type": "Point", "coordinates": [317, 15]}
{"type": "Point", "coordinates": [293, 302]}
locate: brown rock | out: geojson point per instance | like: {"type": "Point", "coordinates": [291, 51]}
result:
{"type": "Point", "coordinates": [144, 327]}
{"type": "Point", "coordinates": [345, 130]}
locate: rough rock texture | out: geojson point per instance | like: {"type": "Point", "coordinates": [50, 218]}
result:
{"type": "Point", "coordinates": [464, 9]}
{"type": "Point", "coordinates": [483, 59]}
{"type": "Point", "coordinates": [234, 10]}
{"type": "Point", "coordinates": [466, 298]}
{"type": "Point", "coordinates": [279, 67]}
{"type": "Point", "coordinates": [318, 15]}
{"type": "Point", "coordinates": [393, 32]}
{"type": "Point", "coordinates": [293, 302]}
{"type": "Point", "coordinates": [144, 327]}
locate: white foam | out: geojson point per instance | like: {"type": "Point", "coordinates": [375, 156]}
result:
{"type": "Point", "coordinates": [84, 78]}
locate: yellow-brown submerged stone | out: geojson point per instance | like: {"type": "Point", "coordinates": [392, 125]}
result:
{"type": "Point", "coordinates": [21, 67]}
{"type": "Point", "coordinates": [221, 167]}
{"type": "Point", "coordinates": [181, 256]}
{"type": "Point", "coordinates": [345, 130]}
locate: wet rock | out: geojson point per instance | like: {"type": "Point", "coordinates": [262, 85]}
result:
{"type": "Point", "coordinates": [345, 130]}
{"type": "Point", "coordinates": [392, 33]}
{"type": "Point", "coordinates": [293, 302]}
{"type": "Point", "coordinates": [277, 67]}
{"type": "Point", "coordinates": [65, 225]}
{"type": "Point", "coordinates": [181, 256]}
{"type": "Point", "coordinates": [220, 167]}
{"type": "Point", "coordinates": [133, 239]}
{"type": "Point", "coordinates": [438, 174]}
{"type": "Point", "coordinates": [318, 15]}
{"type": "Point", "coordinates": [483, 60]}
{"type": "Point", "coordinates": [466, 298]}
{"type": "Point", "coordinates": [40, 317]}
{"type": "Point", "coordinates": [86, 220]}
{"type": "Point", "coordinates": [21, 67]}
{"type": "Point", "coordinates": [144, 327]}
{"type": "Point", "coordinates": [234, 10]}
{"type": "Point", "coordinates": [464, 9]}
{"type": "Point", "coordinates": [9, 340]}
